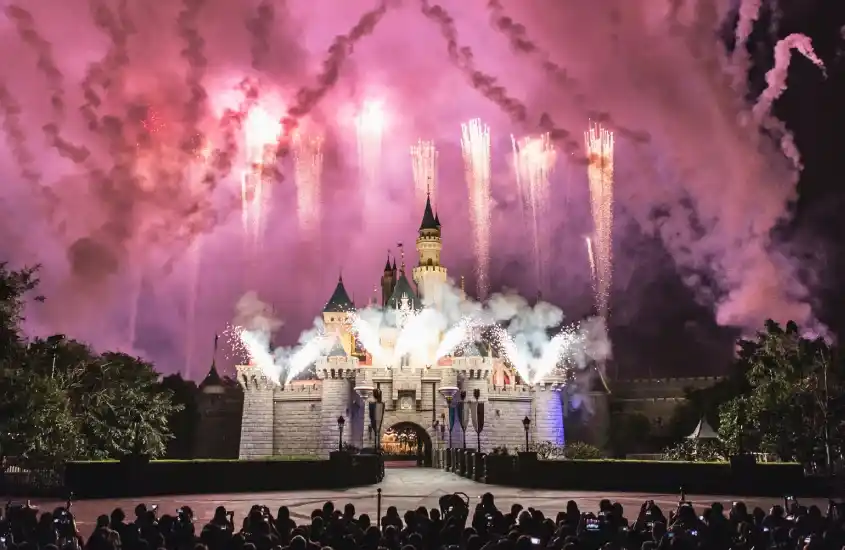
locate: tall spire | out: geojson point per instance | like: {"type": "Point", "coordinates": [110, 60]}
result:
{"type": "Point", "coordinates": [213, 377]}
{"type": "Point", "coordinates": [387, 264]}
{"type": "Point", "coordinates": [428, 221]}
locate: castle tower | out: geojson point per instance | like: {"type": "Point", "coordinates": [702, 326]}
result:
{"type": "Point", "coordinates": [548, 411]}
{"type": "Point", "coordinates": [337, 372]}
{"type": "Point", "coordinates": [388, 281]}
{"type": "Point", "coordinates": [336, 316]}
{"type": "Point", "coordinates": [429, 274]}
{"type": "Point", "coordinates": [257, 419]}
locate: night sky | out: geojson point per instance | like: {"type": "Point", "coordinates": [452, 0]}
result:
{"type": "Point", "coordinates": [715, 230]}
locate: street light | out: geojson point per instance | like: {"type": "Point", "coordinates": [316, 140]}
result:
{"type": "Point", "coordinates": [526, 424]}
{"type": "Point", "coordinates": [340, 422]}
{"type": "Point", "coordinates": [449, 392]}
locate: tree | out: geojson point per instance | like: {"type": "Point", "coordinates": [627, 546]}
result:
{"type": "Point", "coordinates": [795, 405]}
{"type": "Point", "coordinates": [60, 400]}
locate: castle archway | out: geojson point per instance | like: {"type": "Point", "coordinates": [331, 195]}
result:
{"type": "Point", "coordinates": [407, 441]}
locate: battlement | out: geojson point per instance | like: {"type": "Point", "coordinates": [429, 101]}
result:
{"type": "Point", "coordinates": [337, 371]}
{"type": "Point", "coordinates": [252, 377]}
{"type": "Point", "coordinates": [688, 381]}
{"type": "Point", "coordinates": [473, 367]}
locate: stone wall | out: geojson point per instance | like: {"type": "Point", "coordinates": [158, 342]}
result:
{"type": "Point", "coordinates": [295, 429]}
{"type": "Point", "coordinates": [505, 411]}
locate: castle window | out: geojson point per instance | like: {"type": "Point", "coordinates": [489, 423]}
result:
{"type": "Point", "coordinates": [430, 262]}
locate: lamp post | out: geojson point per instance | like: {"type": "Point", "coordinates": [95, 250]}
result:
{"type": "Point", "coordinates": [448, 392]}
{"type": "Point", "coordinates": [340, 422]}
{"type": "Point", "coordinates": [526, 425]}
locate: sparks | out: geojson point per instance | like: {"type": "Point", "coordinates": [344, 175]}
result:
{"type": "Point", "coordinates": [475, 144]}
{"type": "Point", "coordinates": [424, 164]}
{"type": "Point", "coordinates": [592, 259]}
{"type": "Point", "coordinates": [367, 336]}
{"type": "Point", "coordinates": [308, 166]}
{"type": "Point", "coordinates": [369, 128]}
{"type": "Point", "coordinates": [509, 351]}
{"type": "Point", "coordinates": [599, 144]}
{"type": "Point", "coordinates": [534, 160]}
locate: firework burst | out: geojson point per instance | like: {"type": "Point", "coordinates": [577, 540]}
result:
{"type": "Point", "coordinates": [475, 144]}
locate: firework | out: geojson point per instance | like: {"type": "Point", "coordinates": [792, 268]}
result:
{"type": "Point", "coordinates": [261, 136]}
{"type": "Point", "coordinates": [534, 160]}
{"type": "Point", "coordinates": [509, 351]}
{"type": "Point", "coordinates": [599, 143]}
{"type": "Point", "coordinates": [369, 128]}
{"type": "Point", "coordinates": [592, 259]}
{"type": "Point", "coordinates": [475, 144]}
{"type": "Point", "coordinates": [196, 171]}
{"type": "Point", "coordinates": [307, 355]}
{"type": "Point", "coordinates": [457, 337]}
{"type": "Point", "coordinates": [308, 166]}
{"type": "Point", "coordinates": [558, 351]}
{"type": "Point", "coordinates": [257, 346]}
{"type": "Point", "coordinates": [367, 336]}
{"type": "Point", "coordinates": [236, 351]}
{"type": "Point", "coordinates": [424, 163]}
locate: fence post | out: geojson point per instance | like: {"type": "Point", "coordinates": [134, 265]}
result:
{"type": "Point", "coordinates": [378, 508]}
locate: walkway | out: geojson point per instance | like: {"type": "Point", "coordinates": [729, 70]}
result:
{"type": "Point", "coordinates": [405, 488]}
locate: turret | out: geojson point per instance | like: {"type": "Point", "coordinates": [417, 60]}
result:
{"type": "Point", "coordinates": [388, 281]}
{"type": "Point", "coordinates": [257, 420]}
{"type": "Point", "coordinates": [336, 316]}
{"type": "Point", "coordinates": [337, 372]}
{"type": "Point", "coordinates": [429, 274]}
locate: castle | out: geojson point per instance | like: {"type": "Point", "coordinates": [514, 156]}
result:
{"type": "Point", "coordinates": [302, 418]}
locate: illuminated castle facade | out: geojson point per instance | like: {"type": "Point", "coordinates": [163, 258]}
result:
{"type": "Point", "coordinates": [302, 417]}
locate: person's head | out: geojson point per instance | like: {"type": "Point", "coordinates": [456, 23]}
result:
{"type": "Point", "coordinates": [572, 509]}
{"type": "Point", "coordinates": [515, 510]}
{"type": "Point", "coordinates": [328, 509]}
{"type": "Point", "coordinates": [102, 521]}
{"type": "Point", "coordinates": [349, 511]}
{"type": "Point", "coordinates": [364, 521]}
{"type": "Point", "coordinates": [487, 501]}
{"type": "Point", "coordinates": [410, 519]}
{"type": "Point", "coordinates": [220, 514]}
{"type": "Point", "coordinates": [658, 530]}
{"type": "Point", "coordinates": [296, 543]}
{"type": "Point", "coordinates": [140, 512]}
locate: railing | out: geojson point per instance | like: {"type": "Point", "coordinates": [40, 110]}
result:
{"type": "Point", "coordinates": [19, 481]}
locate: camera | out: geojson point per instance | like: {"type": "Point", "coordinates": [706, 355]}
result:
{"type": "Point", "coordinates": [535, 541]}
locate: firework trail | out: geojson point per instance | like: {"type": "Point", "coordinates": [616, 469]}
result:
{"type": "Point", "coordinates": [561, 348]}
{"type": "Point", "coordinates": [509, 351]}
{"type": "Point", "coordinates": [592, 259]}
{"type": "Point", "coordinates": [487, 85]}
{"type": "Point", "coordinates": [475, 144]}
{"type": "Point", "coordinates": [369, 130]}
{"type": "Point", "coordinates": [308, 173]}
{"type": "Point", "coordinates": [368, 336]}
{"type": "Point", "coordinates": [134, 306]}
{"type": "Point", "coordinates": [187, 26]}
{"type": "Point", "coordinates": [261, 137]}
{"type": "Point", "coordinates": [424, 164]}
{"type": "Point", "coordinates": [195, 179]}
{"type": "Point", "coordinates": [339, 51]}
{"type": "Point", "coordinates": [534, 160]}
{"type": "Point", "coordinates": [776, 77]}
{"type": "Point", "coordinates": [599, 144]}
{"type": "Point", "coordinates": [25, 25]}
{"type": "Point", "coordinates": [237, 351]}
{"type": "Point", "coordinates": [457, 337]}
{"type": "Point", "coordinates": [16, 137]}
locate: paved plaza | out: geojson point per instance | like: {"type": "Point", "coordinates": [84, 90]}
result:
{"type": "Point", "coordinates": [405, 488]}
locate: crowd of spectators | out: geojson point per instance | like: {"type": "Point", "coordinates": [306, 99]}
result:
{"type": "Point", "coordinates": [452, 526]}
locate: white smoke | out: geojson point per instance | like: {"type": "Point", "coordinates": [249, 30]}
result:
{"type": "Point", "coordinates": [256, 323]}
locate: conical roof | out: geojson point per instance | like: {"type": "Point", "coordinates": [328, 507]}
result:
{"type": "Point", "coordinates": [429, 221]}
{"type": "Point", "coordinates": [387, 264]}
{"type": "Point", "coordinates": [703, 431]}
{"type": "Point", "coordinates": [212, 378]}
{"type": "Point", "coordinates": [402, 290]}
{"type": "Point", "coordinates": [339, 302]}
